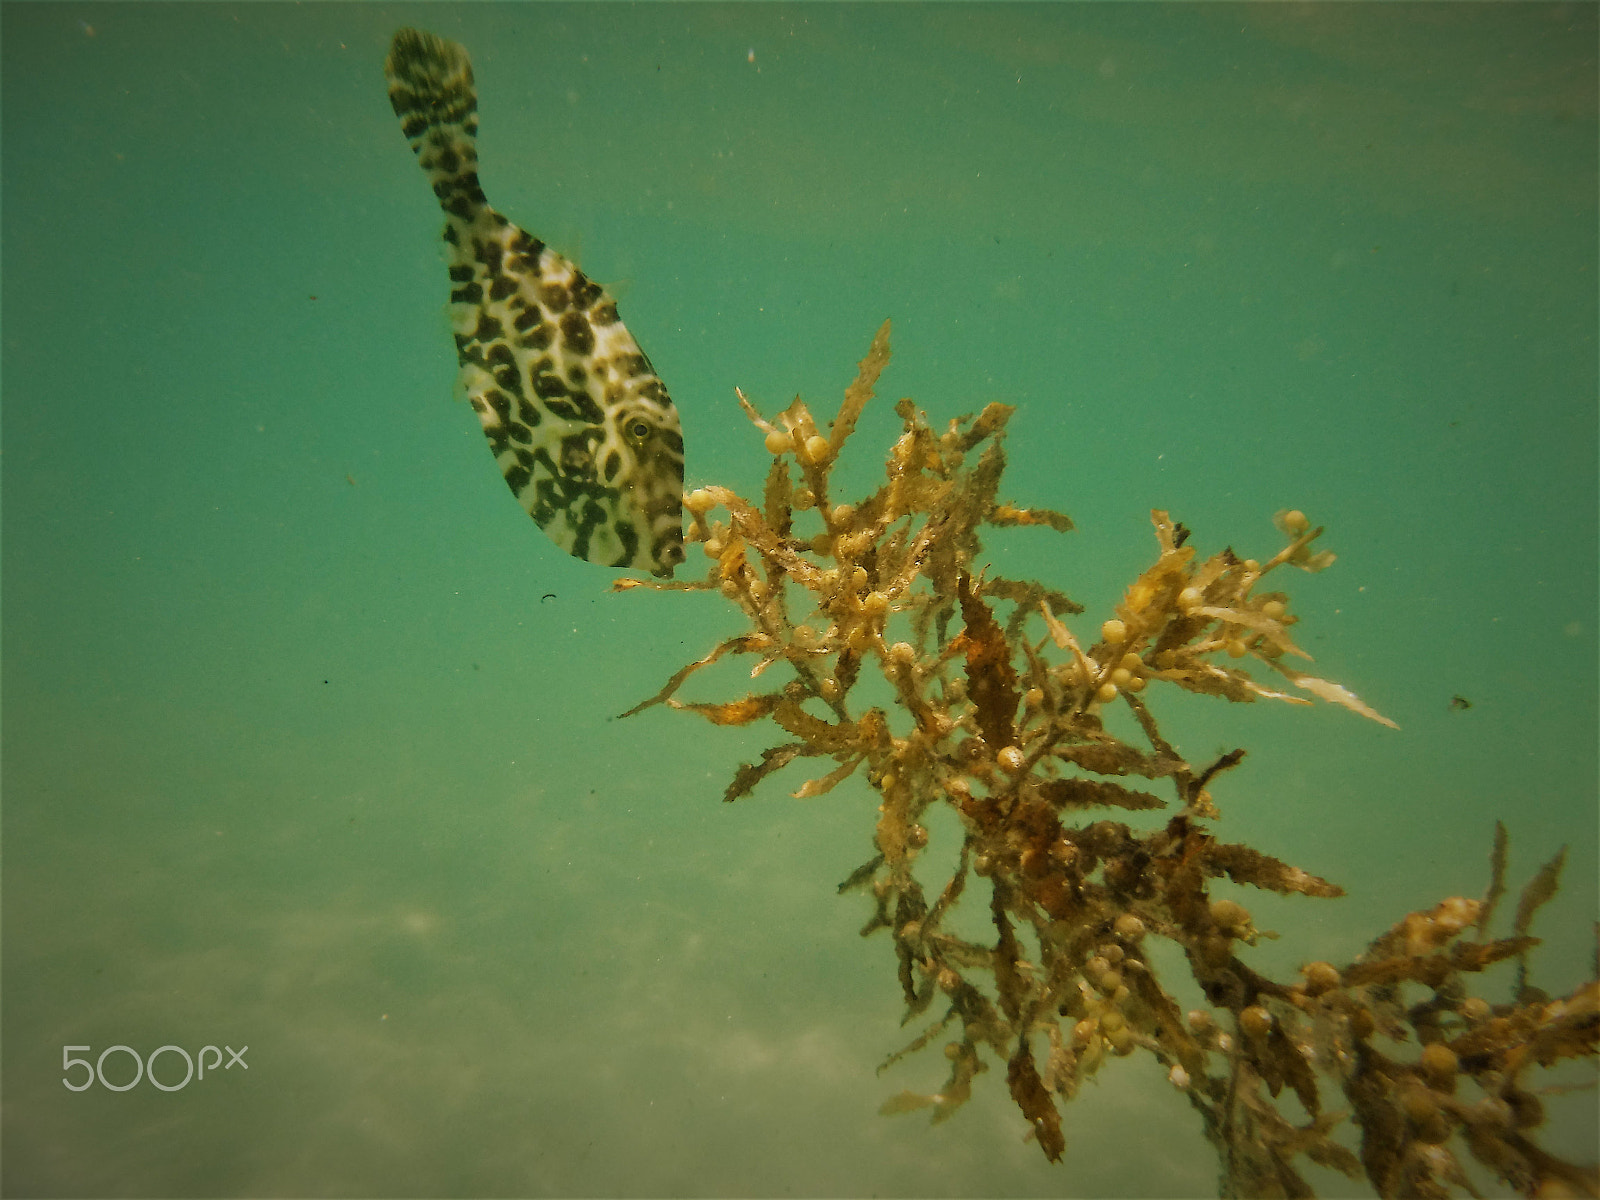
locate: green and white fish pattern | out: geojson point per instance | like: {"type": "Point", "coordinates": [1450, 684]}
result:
{"type": "Point", "coordinates": [580, 424]}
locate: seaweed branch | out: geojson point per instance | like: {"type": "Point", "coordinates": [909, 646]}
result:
{"type": "Point", "coordinates": [1000, 716]}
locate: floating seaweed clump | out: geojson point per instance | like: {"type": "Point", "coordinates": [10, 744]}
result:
{"type": "Point", "coordinates": [1001, 719]}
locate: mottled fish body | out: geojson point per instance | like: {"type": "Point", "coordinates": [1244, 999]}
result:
{"type": "Point", "coordinates": [581, 426]}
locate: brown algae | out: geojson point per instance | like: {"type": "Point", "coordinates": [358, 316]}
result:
{"type": "Point", "coordinates": [1000, 709]}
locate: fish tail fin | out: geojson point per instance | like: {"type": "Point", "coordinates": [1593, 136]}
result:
{"type": "Point", "coordinates": [431, 89]}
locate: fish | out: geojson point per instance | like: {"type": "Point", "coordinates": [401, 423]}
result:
{"type": "Point", "coordinates": [580, 424]}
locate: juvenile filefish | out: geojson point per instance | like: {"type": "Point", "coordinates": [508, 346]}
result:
{"type": "Point", "coordinates": [580, 424]}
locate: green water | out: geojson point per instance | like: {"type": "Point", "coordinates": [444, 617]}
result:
{"type": "Point", "coordinates": [300, 756]}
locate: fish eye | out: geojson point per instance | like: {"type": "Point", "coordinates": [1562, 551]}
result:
{"type": "Point", "coordinates": [638, 430]}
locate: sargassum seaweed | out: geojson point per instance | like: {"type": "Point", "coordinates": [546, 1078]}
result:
{"type": "Point", "coordinates": [989, 705]}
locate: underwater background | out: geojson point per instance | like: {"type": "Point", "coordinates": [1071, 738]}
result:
{"type": "Point", "coordinates": [309, 733]}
